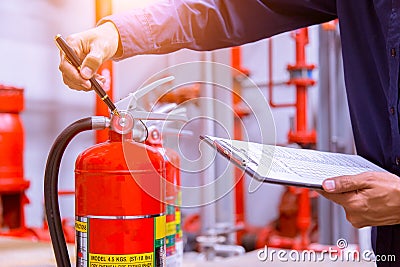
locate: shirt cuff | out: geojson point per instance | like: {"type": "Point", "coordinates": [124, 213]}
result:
{"type": "Point", "coordinates": [134, 33]}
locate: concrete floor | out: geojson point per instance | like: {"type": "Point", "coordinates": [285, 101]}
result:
{"type": "Point", "coordinates": [251, 259]}
{"type": "Point", "coordinates": [22, 253]}
{"type": "Point", "coordinates": [25, 253]}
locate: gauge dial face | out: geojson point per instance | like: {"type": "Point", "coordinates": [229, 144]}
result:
{"type": "Point", "coordinates": [123, 123]}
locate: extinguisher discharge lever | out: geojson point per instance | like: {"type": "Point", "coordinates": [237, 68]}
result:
{"type": "Point", "coordinates": [129, 103]}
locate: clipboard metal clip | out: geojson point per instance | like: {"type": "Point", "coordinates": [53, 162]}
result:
{"type": "Point", "coordinates": [233, 153]}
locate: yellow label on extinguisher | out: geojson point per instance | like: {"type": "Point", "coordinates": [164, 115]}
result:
{"type": "Point", "coordinates": [178, 216]}
{"type": "Point", "coordinates": [125, 260]}
{"type": "Point", "coordinates": [81, 226]}
{"type": "Point", "coordinates": [170, 228]}
{"type": "Point", "coordinates": [160, 227]}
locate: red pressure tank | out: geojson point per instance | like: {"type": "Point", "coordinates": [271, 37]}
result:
{"type": "Point", "coordinates": [119, 222]}
{"type": "Point", "coordinates": [174, 244]}
{"type": "Point", "coordinates": [12, 182]}
{"type": "Point", "coordinates": [174, 162]}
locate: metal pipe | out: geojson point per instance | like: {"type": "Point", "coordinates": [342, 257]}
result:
{"type": "Point", "coordinates": [270, 82]}
{"type": "Point", "coordinates": [228, 250]}
{"type": "Point", "coordinates": [208, 218]}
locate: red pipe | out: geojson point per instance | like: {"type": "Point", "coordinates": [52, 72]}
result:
{"type": "Point", "coordinates": [300, 133]}
{"type": "Point", "coordinates": [66, 192]}
{"type": "Point", "coordinates": [104, 8]}
{"type": "Point", "coordinates": [236, 58]}
{"type": "Point", "coordinates": [236, 61]}
{"type": "Point", "coordinates": [304, 217]}
{"type": "Point", "coordinates": [301, 37]}
{"type": "Point", "coordinates": [301, 109]}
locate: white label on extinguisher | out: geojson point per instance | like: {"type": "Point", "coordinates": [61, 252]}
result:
{"type": "Point", "coordinates": [81, 229]}
{"type": "Point", "coordinates": [171, 260]}
{"type": "Point", "coordinates": [179, 253]}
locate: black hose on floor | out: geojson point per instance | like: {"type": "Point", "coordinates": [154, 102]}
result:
{"type": "Point", "coordinates": [51, 186]}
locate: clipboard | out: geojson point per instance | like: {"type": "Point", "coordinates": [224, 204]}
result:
{"type": "Point", "coordinates": [289, 166]}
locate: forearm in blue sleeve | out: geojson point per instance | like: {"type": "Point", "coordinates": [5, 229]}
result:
{"type": "Point", "coordinates": [170, 25]}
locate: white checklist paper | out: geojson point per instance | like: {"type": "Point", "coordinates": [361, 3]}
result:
{"type": "Point", "coordinates": [290, 166]}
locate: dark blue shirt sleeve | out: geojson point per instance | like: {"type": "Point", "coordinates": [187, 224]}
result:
{"type": "Point", "coordinates": [170, 25]}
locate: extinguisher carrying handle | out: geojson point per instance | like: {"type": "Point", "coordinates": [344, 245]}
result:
{"type": "Point", "coordinates": [145, 115]}
{"type": "Point", "coordinates": [51, 183]}
{"type": "Point", "coordinates": [130, 102]}
{"type": "Point", "coordinates": [168, 127]}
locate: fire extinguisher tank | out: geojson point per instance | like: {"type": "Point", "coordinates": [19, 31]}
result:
{"type": "Point", "coordinates": [12, 182]}
{"type": "Point", "coordinates": [120, 210]}
{"type": "Point", "coordinates": [12, 139]}
{"type": "Point", "coordinates": [174, 243]}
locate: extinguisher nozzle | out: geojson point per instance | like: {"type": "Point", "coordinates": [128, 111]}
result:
{"type": "Point", "coordinates": [100, 122]}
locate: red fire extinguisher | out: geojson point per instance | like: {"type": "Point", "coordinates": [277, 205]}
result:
{"type": "Point", "coordinates": [172, 180]}
{"type": "Point", "coordinates": [174, 161]}
{"type": "Point", "coordinates": [118, 223]}
{"type": "Point", "coordinates": [174, 255]}
{"type": "Point", "coordinates": [119, 192]}
{"type": "Point", "coordinates": [126, 228]}
{"type": "Point", "coordinates": [12, 182]}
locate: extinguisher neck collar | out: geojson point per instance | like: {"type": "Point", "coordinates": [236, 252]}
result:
{"type": "Point", "coordinates": [117, 137]}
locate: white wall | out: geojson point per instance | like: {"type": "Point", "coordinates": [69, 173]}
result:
{"type": "Point", "coordinates": [30, 60]}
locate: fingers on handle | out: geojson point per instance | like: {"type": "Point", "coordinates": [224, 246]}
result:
{"type": "Point", "coordinates": [72, 78]}
{"type": "Point", "coordinates": [91, 64]}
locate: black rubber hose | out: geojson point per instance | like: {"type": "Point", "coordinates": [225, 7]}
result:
{"type": "Point", "coordinates": [51, 188]}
